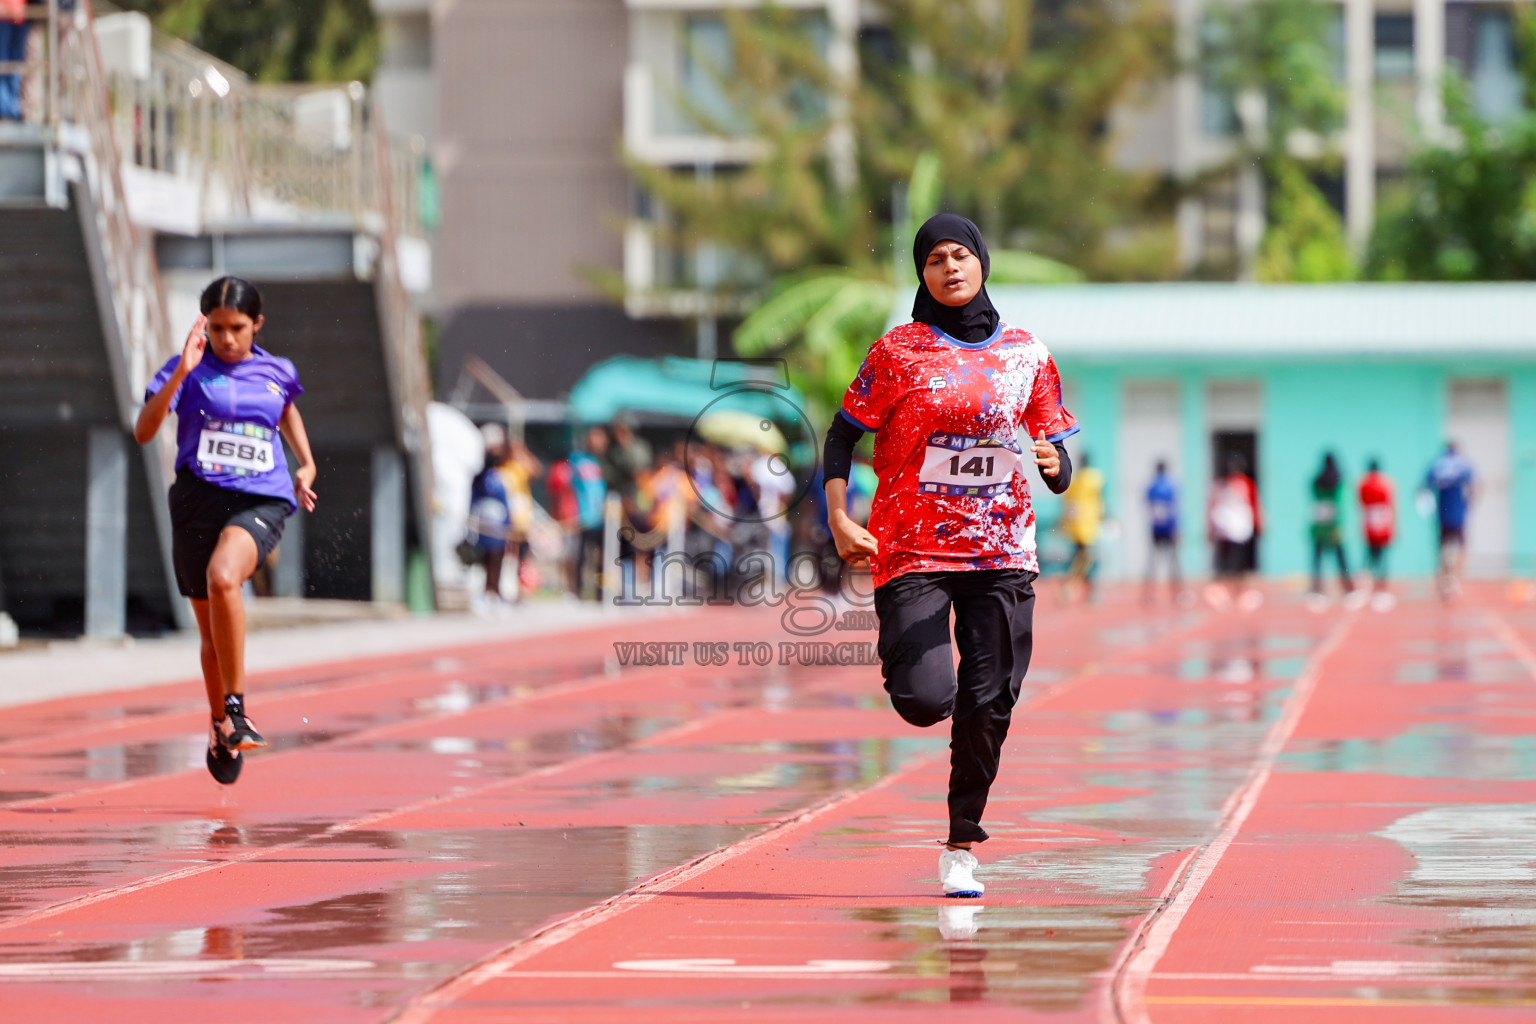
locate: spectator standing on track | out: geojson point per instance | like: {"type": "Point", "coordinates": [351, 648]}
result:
{"type": "Point", "coordinates": [1378, 516]}
{"type": "Point", "coordinates": [490, 521]}
{"type": "Point", "coordinates": [709, 528]}
{"type": "Point", "coordinates": [774, 485]}
{"type": "Point", "coordinates": [591, 489]}
{"type": "Point", "coordinates": [1082, 518]}
{"type": "Point", "coordinates": [952, 527]}
{"type": "Point", "coordinates": [1327, 524]}
{"type": "Point", "coordinates": [624, 460]}
{"type": "Point", "coordinates": [14, 29]}
{"type": "Point", "coordinates": [232, 493]}
{"type": "Point", "coordinates": [1163, 516]}
{"type": "Point", "coordinates": [1451, 480]}
{"type": "Point", "coordinates": [1235, 523]}
{"type": "Point", "coordinates": [518, 470]}
{"type": "Point", "coordinates": [558, 484]}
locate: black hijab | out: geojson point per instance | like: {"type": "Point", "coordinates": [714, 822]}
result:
{"type": "Point", "coordinates": [976, 320]}
{"type": "Point", "coordinates": [1329, 477]}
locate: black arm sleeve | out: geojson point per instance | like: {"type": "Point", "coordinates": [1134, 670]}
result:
{"type": "Point", "coordinates": [1063, 479]}
{"type": "Point", "coordinates": [837, 455]}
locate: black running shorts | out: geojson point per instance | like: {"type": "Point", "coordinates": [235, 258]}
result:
{"type": "Point", "coordinates": [1231, 559]}
{"type": "Point", "coordinates": [199, 513]}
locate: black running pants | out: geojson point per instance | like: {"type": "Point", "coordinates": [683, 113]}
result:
{"type": "Point", "coordinates": [994, 630]}
{"type": "Point", "coordinates": [1321, 550]}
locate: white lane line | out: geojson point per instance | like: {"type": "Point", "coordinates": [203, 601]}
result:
{"type": "Point", "coordinates": [726, 967]}
{"type": "Point", "coordinates": [1108, 995]}
{"type": "Point", "coordinates": [1507, 636]}
{"type": "Point", "coordinates": [1129, 990]}
{"type": "Point", "coordinates": [149, 970]}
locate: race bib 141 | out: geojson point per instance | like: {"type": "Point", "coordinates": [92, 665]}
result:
{"type": "Point", "coordinates": [971, 467]}
{"type": "Point", "coordinates": [244, 449]}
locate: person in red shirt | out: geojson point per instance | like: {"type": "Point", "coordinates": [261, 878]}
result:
{"type": "Point", "coordinates": [951, 528]}
{"type": "Point", "coordinates": [1234, 521]}
{"type": "Point", "coordinates": [1378, 514]}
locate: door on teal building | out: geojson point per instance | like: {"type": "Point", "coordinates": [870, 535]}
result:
{"type": "Point", "coordinates": [1477, 419]}
{"type": "Point", "coordinates": [1233, 415]}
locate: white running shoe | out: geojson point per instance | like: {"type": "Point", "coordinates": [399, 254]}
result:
{"type": "Point", "coordinates": [955, 874]}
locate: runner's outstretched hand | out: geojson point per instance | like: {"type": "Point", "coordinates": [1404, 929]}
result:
{"type": "Point", "coordinates": [158, 405]}
{"type": "Point", "coordinates": [1046, 456]}
{"type": "Point", "coordinates": [197, 344]}
{"type": "Point", "coordinates": [304, 486]}
{"type": "Point", "coordinates": [854, 543]}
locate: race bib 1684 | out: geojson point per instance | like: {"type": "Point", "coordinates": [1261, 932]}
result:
{"type": "Point", "coordinates": [244, 449]}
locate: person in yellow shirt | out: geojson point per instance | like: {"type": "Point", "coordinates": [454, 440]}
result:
{"type": "Point", "coordinates": [1081, 519]}
{"type": "Point", "coordinates": [518, 471]}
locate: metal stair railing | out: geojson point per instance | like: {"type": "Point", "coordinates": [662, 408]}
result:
{"type": "Point", "coordinates": [405, 359]}
{"type": "Point", "coordinates": [139, 338]}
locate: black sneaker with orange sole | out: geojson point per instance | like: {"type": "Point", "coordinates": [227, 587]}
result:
{"type": "Point", "coordinates": [242, 734]}
{"type": "Point", "coordinates": [223, 763]}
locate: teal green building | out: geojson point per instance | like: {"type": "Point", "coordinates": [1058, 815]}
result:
{"type": "Point", "coordinates": [1283, 374]}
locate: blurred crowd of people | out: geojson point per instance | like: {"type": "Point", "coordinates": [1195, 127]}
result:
{"type": "Point", "coordinates": [736, 510]}
{"type": "Point", "coordinates": [711, 502]}
{"type": "Point", "coordinates": [1235, 521]}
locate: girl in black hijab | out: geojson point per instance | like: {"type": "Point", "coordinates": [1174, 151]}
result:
{"type": "Point", "coordinates": [951, 526]}
{"type": "Point", "coordinates": [1327, 532]}
{"type": "Point", "coordinates": [973, 322]}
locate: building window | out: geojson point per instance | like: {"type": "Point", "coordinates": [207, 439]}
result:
{"type": "Point", "coordinates": [1218, 112]}
{"type": "Point", "coordinates": [1394, 46]}
{"type": "Point", "coordinates": [1496, 84]}
{"type": "Point", "coordinates": [708, 64]}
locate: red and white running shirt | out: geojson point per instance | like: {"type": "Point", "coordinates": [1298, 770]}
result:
{"type": "Point", "coordinates": [947, 418]}
{"type": "Point", "coordinates": [1376, 501]}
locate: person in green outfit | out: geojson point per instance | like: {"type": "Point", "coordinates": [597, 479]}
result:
{"type": "Point", "coordinates": [1327, 534]}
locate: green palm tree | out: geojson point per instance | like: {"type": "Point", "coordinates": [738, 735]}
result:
{"type": "Point", "coordinates": [825, 319]}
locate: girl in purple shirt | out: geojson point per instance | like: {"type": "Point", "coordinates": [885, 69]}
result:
{"type": "Point", "coordinates": [232, 492]}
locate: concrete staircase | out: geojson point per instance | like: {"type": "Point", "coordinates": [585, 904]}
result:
{"type": "Point", "coordinates": [57, 409]}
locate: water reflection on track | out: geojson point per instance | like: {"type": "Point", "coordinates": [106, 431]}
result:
{"type": "Point", "coordinates": [416, 815]}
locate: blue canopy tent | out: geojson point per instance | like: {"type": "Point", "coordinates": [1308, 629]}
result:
{"type": "Point", "coordinates": [689, 392]}
{"type": "Point", "coordinates": [682, 389]}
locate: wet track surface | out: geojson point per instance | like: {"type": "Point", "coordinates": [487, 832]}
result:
{"type": "Point", "coordinates": [1202, 816]}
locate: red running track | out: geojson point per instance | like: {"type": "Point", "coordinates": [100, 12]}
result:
{"type": "Point", "coordinates": [1202, 817]}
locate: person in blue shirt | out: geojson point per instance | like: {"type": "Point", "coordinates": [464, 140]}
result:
{"type": "Point", "coordinates": [232, 493]}
{"type": "Point", "coordinates": [1163, 516]}
{"type": "Point", "coordinates": [591, 491]}
{"type": "Point", "coordinates": [490, 520]}
{"type": "Point", "coordinates": [1450, 479]}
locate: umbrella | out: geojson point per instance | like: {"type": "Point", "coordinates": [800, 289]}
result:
{"type": "Point", "coordinates": [734, 428]}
